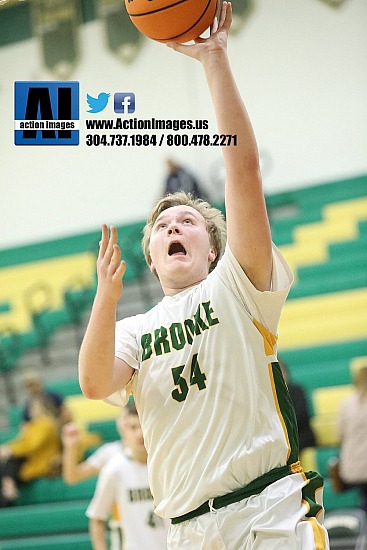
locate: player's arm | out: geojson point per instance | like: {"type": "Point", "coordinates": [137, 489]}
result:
{"type": "Point", "coordinates": [72, 470]}
{"type": "Point", "coordinates": [247, 222]}
{"type": "Point", "coordinates": [101, 505]}
{"type": "Point", "coordinates": [98, 534]}
{"type": "Point", "coordinates": [100, 373]}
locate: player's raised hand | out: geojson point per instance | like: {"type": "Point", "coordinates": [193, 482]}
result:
{"type": "Point", "coordinates": [110, 267]}
{"type": "Point", "coordinates": [216, 42]}
{"type": "Point", "coordinates": [70, 435]}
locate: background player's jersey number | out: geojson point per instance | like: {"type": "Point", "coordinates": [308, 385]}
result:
{"type": "Point", "coordinates": [196, 378]}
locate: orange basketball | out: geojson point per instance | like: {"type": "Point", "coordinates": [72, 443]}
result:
{"type": "Point", "coordinates": [176, 20]}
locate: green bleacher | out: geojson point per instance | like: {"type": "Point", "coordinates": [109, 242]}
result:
{"type": "Point", "coordinates": [75, 541]}
{"type": "Point", "coordinates": [49, 513]}
{"type": "Point", "coordinates": [43, 519]}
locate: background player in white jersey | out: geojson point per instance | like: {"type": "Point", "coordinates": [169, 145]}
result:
{"type": "Point", "coordinates": [217, 419]}
{"type": "Point", "coordinates": [123, 492]}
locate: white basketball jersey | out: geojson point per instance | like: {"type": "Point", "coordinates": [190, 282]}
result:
{"type": "Point", "coordinates": [104, 453]}
{"type": "Point", "coordinates": [123, 487]}
{"type": "Point", "coordinates": [205, 388]}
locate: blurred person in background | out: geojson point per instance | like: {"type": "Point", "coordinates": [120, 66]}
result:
{"type": "Point", "coordinates": [34, 453]}
{"type": "Point", "coordinates": [180, 179]}
{"type": "Point", "coordinates": [35, 391]}
{"type": "Point", "coordinates": [351, 469]}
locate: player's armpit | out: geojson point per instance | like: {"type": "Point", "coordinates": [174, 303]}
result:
{"type": "Point", "coordinates": [123, 373]}
{"type": "Point", "coordinates": [120, 397]}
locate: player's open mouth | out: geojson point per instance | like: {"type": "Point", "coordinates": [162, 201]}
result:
{"type": "Point", "coordinates": [176, 249]}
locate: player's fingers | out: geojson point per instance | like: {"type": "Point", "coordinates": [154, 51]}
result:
{"type": "Point", "coordinates": [223, 13]}
{"type": "Point", "coordinates": [186, 49]}
{"type": "Point", "coordinates": [115, 258]}
{"type": "Point", "coordinates": [111, 243]}
{"type": "Point", "coordinates": [113, 235]}
{"type": "Point", "coordinates": [177, 47]}
{"type": "Point", "coordinates": [120, 271]}
{"type": "Point", "coordinates": [227, 20]}
{"type": "Point", "coordinates": [69, 428]}
{"type": "Point", "coordinates": [214, 25]}
{"type": "Point", "coordinates": [103, 243]}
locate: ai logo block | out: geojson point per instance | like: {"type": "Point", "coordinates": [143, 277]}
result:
{"type": "Point", "coordinates": [46, 113]}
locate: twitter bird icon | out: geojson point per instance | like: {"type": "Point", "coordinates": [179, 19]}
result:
{"type": "Point", "coordinates": [97, 104]}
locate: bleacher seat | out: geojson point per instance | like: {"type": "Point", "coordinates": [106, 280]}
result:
{"type": "Point", "coordinates": [105, 428]}
{"type": "Point", "coordinates": [324, 319]}
{"type": "Point", "coordinates": [326, 405]}
{"type": "Point", "coordinates": [44, 519]}
{"type": "Point", "coordinates": [43, 491]}
{"type": "Point", "coordinates": [347, 529]}
{"type": "Point", "coordinates": [84, 411]}
{"type": "Point", "coordinates": [75, 541]}
{"type": "Point", "coordinates": [336, 501]}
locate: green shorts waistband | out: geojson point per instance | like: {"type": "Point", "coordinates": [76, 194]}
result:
{"type": "Point", "coordinates": [253, 488]}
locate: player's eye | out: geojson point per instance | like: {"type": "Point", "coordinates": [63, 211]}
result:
{"type": "Point", "coordinates": [187, 220]}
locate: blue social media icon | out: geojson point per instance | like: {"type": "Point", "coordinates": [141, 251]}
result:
{"type": "Point", "coordinates": [124, 103]}
{"type": "Point", "coordinates": [97, 104]}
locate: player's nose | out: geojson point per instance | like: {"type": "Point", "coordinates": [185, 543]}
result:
{"type": "Point", "coordinates": [173, 228]}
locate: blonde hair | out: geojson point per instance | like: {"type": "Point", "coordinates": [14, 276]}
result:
{"type": "Point", "coordinates": [214, 219]}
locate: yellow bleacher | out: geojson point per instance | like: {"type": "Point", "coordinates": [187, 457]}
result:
{"type": "Point", "coordinates": [327, 231]}
{"type": "Point", "coordinates": [327, 402]}
{"type": "Point", "coordinates": [355, 209]}
{"type": "Point", "coordinates": [84, 411]}
{"type": "Point", "coordinates": [339, 223]}
{"type": "Point", "coordinates": [324, 319]}
{"type": "Point", "coordinates": [57, 274]}
{"type": "Point", "coordinates": [305, 253]}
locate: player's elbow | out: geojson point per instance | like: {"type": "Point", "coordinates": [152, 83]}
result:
{"type": "Point", "coordinates": [92, 392]}
{"type": "Point", "coordinates": [91, 389]}
{"type": "Point", "coordinates": [70, 480]}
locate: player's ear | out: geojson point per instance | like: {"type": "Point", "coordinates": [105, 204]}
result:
{"type": "Point", "coordinates": [212, 255]}
{"type": "Point", "coordinates": [151, 265]}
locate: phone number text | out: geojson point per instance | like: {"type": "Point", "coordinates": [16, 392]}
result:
{"type": "Point", "coordinates": [154, 140]}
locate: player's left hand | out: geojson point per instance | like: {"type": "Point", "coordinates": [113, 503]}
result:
{"type": "Point", "coordinates": [70, 435]}
{"type": "Point", "coordinates": [216, 42]}
{"type": "Point", "coordinates": [110, 267]}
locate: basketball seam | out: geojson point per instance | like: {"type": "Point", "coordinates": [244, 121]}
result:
{"type": "Point", "coordinates": [158, 9]}
{"type": "Point", "coordinates": [173, 5]}
{"type": "Point", "coordinates": [192, 26]}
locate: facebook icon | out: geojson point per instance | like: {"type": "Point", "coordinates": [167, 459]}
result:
{"type": "Point", "coordinates": [124, 103]}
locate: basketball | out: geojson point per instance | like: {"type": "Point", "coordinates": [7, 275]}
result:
{"type": "Point", "coordinates": [176, 20]}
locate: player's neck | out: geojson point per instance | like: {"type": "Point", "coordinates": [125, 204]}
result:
{"type": "Point", "coordinates": [172, 290]}
{"type": "Point", "coordinates": [139, 455]}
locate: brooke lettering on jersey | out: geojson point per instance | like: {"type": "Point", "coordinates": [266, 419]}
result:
{"type": "Point", "coordinates": [137, 495]}
{"type": "Point", "coordinates": [165, 339]}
